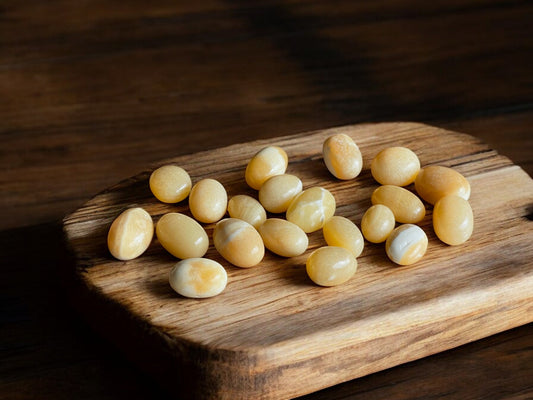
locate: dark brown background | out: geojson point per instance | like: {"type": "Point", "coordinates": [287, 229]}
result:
{"type": "Point", "coordinates": [92, 92]}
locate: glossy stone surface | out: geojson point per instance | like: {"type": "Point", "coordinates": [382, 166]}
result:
{"type": "Point", "coordinates": [406, 244]}
{"type": "Point", "coordinates": [238, 242]}
{"type": "Point", "coordinates": [246, 208]}
{"type": "Point", "coordinates": [453, 220]}
{"type": "Point", "coordinates": [283, 237]}
{"type": "Point", "coordinates": [377, 223]}
{"type": "Point", "coordinates": [311, 209]}
{"type": "Point", "coordinates": [208, 200]}
{"type": "Point", "coordinates": [182, 236]}
{"type": "Point", "coordinates": [268, 162]}
{"type": "Point", "coordinates": [198, 278]}
{"type": "Point", "coordinates": [341, 232]}
{"type": "Point", "coordinates": [170, 184]}
{"type": "Point", "coordinates": [342, 156]}
{"type": "Point", "coordinates": [130, 234]}
{"type": "Point", "coordinates": [435, 181]}
{"type": "Point", "coordinates": [278, 191]}
{"type": "Point", "coordinates": [397, 166]}
{"type": "Point", "coordinates": [331, 266]}
{"type": "Point", "coordinates": [405, 205]}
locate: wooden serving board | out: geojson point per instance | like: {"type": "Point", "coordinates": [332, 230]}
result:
{"type": "Point", "coordinates": [273, 334]}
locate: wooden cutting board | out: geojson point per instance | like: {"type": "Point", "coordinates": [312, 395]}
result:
{"type": "Point", "coordinates": [273, 334]}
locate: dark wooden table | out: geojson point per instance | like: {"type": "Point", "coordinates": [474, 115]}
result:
{"type": "Point", "coordinates": [92, 92]}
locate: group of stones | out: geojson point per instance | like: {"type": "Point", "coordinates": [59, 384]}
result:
{"type": "Point", "coordinates": [241, 239]}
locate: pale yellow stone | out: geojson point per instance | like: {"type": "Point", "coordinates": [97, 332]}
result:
{"type": "Point", "coordinates": [405, 205]}
{"type": "Point", "coordinates": [435, 181]}
{"type": "Point", "coordinates": [170, 184]}
{"type": "Point", "coordinates": [331, 266]}
{"type": "Point", "coordinates": [397, 166]}
{"type": "Point", "coordinates": [198, 278]}
{"type": "Point", "coordinates": [247, 208]}
{"type": "Point", "coordinates": [341, 232]}
{"type": "Point", "coordinates": [406, 244]}
{"type": "Point", "coordinates": [278, 191]}
{"type": "Point", "coordinates": [311, 209]}
{"type": "Point", "coordinates": [238, 242]}
{"type": "Point", "coordinates": [377, 223]}
{"type": "Point", "coordinates": [283, 237]}
{"type": "Point", "coordinates": [208, 200]}
{"type": "Point", "coordinates": [342, 156]}
{"type": "Point", "coordinates": [130, 234]}
{"type": "Point", "coordinates": [182, 236]}
{"type": "Point", "coordinates": [453, 220]}
{"type": "Point", "coordinates": [268, 162]}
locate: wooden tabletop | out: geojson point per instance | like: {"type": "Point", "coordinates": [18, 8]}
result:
{"type": "Point", "coordinates": [96, 91]}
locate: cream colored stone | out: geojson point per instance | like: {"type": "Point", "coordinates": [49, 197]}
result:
{"type": "Point", "coordinates": [268, 162]}
{"type": "Point", "coordinates": [198, 278]}
{"type": "Point", "coordinates": [208, 201]}
{"type": "Point", "coordinates": [182, 236]}
{"type": "Point", "coordinates": [130, 234]}
{"type": "Point", "coordinates": [170, 184]}
{"type": "Point", "coordinates": [453, 220]}
{"type": "Point", "coordinates": [247, 208]}
{"type": "Point", "coordinates": [283, 237]}
{"type": "Point", "coordinates": [331, 266]}
{"type": "Point", "coordinates": [238, 242]}
{"type": "Point", "coordinates": [435, 181]}
{"type": "Point", "coordinates": [342, 156]}
{"type": "Point", "coordinates": [311, 209]}
{"type": "Point", "coordinates": [405, 205]}
{"type": "Point", "coordinates": [340, 231]}
{"type": "Point", "coordinates": [278, 191]}
{"type": "Point", "coordinates": [406, 244]}
{"type": "Point", "coordinates": [377, 223]}
{"type": "Point", "coordinates": [397, 166]}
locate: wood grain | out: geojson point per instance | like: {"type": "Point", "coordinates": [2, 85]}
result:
{"type": "Point", "coordinates": [93, 93]}
{"type": "Point", "coordinates": [272, 333]}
